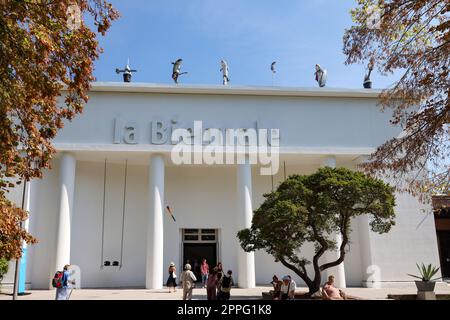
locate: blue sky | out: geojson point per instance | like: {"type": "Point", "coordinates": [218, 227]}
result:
{"type": "Point", "coordinates": [249, 34]}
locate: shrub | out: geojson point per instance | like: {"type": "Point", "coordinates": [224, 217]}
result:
{"type": "Point", "coordinates": [3, 268]}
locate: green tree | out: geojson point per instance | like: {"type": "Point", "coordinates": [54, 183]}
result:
{"type": "Point", "coordinates": [3, 268]}
{"type": "Point", "coordinates": [313, 208]}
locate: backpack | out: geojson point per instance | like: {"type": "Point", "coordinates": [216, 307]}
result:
{"type": "Point", "coordinates": [58, 279]}
{"type": "Point", "coordinates": [226, 282]}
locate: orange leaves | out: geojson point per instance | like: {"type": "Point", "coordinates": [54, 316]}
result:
{"type": "Point", "coordinates": [11, 232]}
{"type": "Point", "coordinates": [414, 39]}
{"type": "Point", "coordinates": [42, 50]}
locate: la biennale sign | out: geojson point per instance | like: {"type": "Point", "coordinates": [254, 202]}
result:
{"type": "Point", "coordinates": [200, 144]}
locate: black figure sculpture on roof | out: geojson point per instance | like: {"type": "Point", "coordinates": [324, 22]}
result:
{"type": "Point", "coordinates": [126, 72]}
{"type": "Point", "coordinates": [367, 82]}
{"type": "Point", "coordinates": [176, 72]}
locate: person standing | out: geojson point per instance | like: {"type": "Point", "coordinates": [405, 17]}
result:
{"type": "Point", "coordinates": [188, 282]}
{"type": "Point", "coordinates": [172, 280]}
{"type": "Point", "coordinates": [61, 282]}
{"type": "Point", "coordinates": [219, 276]}
{"type": "Point", "coordinates": [211, 285]}
{"type": "Point", "coordinates": [204, 269]}
{"type": "Point", "coordinates": [196, 269]}
{"type": "Point", "coordinates": [219, 270]}
{"type": "Point", "coordinates": [226, 282]}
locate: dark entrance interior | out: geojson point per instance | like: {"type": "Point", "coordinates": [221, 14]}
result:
{"type": "Point", "coordinates": [441, 209]}
{"type": "Point", "coordinates": [444, 252]}
{"type": "Point", "coordinates": [193, 253]}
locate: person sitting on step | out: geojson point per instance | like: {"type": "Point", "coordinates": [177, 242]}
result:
{"type": "Point", "coordinates": [330, 292]}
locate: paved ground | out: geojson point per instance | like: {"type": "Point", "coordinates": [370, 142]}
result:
{"type": "Point", "coordinates": [143, 294]}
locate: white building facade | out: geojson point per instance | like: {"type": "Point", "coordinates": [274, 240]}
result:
{"type": "Point", "coordinates": [103, 204]}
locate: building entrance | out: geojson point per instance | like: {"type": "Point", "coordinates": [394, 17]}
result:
{"type": "Point", "coordinates": [199, 244]}
{"type": "Point", "coordinates": [444, 250]}
{"type": "Point", "coordinates": [441, 208]}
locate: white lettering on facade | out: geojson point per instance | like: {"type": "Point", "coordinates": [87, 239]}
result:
{"type": "Point", "coordinates": [160, 132]}
{"type": "Point", "coordinates": [196, 145]}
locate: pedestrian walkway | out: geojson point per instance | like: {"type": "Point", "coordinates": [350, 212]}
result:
{"type": "Point", "coordinates": [200, 293]}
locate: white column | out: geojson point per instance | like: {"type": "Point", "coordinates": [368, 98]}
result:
{"type": "Point", "coordinates": [339, 270]}
{"type": "Point", "coordinates": [371, 273]}
{"type": "Point", "coordinates": [155, 235]}
{"type": "Point", "coordinates": [66, 191]}
{"type": "Point", "coordinates": [246, 261]}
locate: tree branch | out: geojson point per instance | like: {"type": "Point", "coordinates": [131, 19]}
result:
{"type": "Point", "coordinates": [301, 274]}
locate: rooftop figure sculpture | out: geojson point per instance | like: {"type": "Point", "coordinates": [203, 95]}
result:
{"type": "Point", "coordinates": [127, 72]}
{"type": "Point", "coordinates": [274, 71]}
{"type": "Point", "coordinates": [272, 67]}
{"type": "Point", "coordinates": [224, 69]}
{"type": "Point", "coordinates": [176, 72]}
{"type": "Point", "coordinates": [321, 76]}
{"type": "Point", "coordinates": [367, 82]}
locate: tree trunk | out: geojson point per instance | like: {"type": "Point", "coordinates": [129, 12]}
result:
{"type": "Point", "coordinates": [311, 284]}
{"type": "Point", "coordinates": [313, 288]}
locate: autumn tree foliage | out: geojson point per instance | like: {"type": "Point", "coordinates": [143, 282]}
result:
{"type": "Point", "coordinates": [45, 45]}
{"type": "Point", "coordinates": [310, 209]}
{"type": "Point", "coordinates": [413, 38]}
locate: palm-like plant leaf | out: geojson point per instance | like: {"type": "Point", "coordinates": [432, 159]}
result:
{"type": "Point", "coordinates": [411, 275]}
{"type": "Point", "coordinates": [426, 272]}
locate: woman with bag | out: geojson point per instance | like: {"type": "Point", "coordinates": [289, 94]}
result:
{"type": "Point", "coordinates": [172, 280]}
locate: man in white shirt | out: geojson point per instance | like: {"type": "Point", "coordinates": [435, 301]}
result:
{"type": "Point", "coordinates": [288, 288]}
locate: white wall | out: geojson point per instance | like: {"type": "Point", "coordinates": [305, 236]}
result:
{"type": "Point", "coordinates": [201, 197]}
{"type": "Point", "coordinates": [205, 196]}
{"type": "Point", "coordinates": [87, 224]}
{"type": "Point", "coordinates": [412, 240]}
{"type": "Point", "coordinates": [303, 121]}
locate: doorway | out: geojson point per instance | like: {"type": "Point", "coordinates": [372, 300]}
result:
{"type": "Point", "coordinates": [199, 244]}
{"type": "Point", "coordinates": [444, 252]}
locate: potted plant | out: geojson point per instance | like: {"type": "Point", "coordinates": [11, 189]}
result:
{"type": "Point", "coordinates": [427, 282]}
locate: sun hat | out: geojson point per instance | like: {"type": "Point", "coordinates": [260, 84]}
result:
{"type": "Point", "coordinates": [286, 278]}
{"type": "Point", "coordinates": [172, 264]}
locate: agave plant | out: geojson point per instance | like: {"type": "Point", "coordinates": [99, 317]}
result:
{"type": "Point", "coordinates": [426, 272]}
